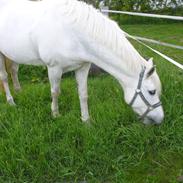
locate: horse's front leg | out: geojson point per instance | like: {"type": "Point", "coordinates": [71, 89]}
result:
{"type": "Point", "coordinates": [4, 79]}
{"type": "Point", "coordinates": [81, 77]}
{"type": "Point", "coordinates": [54, 74]}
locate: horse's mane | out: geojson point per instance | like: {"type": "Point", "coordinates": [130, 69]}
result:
{"type": "Point", "coordinates": [102, 29]}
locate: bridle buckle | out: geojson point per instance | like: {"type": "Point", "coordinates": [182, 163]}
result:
{"type": "Point", "coordinates": [138, 90]}
{"type": "Point", "coordinates": [150, 108]}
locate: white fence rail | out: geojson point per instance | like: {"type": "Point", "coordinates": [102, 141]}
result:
{"type": "Point", "coordinates": [143, 14]}
{"type": "Point", "coordinates": [142, 39]}
{"type": "Point", "coordinates": [156, 51]}
{"type": "Point", "coordinates": [158, 42]}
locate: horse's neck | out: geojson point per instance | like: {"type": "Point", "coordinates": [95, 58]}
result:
{"type": "Point", "coordinates": [123, 68]}
{"type": "Point", "coordinates": [131, 57]}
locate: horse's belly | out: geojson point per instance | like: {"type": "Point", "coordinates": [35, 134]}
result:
{"type": "Point", "coordinates": [72, 67]}
{"type": "Point", "coordinates": [20, 60]}
{"type": "Point", "coordinates": [21, 56]}
{"type": "Point", "coordinates": [19, 48]}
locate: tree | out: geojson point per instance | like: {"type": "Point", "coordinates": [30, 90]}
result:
{"type": "Point", "coordinates": [142, 5]}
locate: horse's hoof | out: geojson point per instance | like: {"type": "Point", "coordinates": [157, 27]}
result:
{"type": "Point", "coordinates": [86, 120]}
{"type": "Point", "coordinates": [11, 102]}
{"type": "Point", "coordinates": [56, 114]}
{"type": "Point", "coordinates": [18, 89]}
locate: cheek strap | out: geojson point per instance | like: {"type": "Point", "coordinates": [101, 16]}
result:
{"type": "Point", "coordinates": [138, 92]}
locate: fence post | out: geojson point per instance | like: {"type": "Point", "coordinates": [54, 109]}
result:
{"type": "Point", "coordinates": [103, 7]}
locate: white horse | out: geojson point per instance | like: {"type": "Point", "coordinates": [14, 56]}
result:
{"type": "Point", "coordinates": [69, 35]}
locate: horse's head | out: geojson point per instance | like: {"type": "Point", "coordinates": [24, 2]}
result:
{"type": "Point", "coordinates": [143, 94]}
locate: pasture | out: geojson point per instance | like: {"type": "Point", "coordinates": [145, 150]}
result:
{"type": "Point", "coordinates": [116, 147]}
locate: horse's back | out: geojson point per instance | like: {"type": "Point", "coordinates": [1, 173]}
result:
{"type": "Point", "coordinates": [35, 31]}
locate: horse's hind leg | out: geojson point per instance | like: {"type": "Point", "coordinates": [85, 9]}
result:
{"type": "Point", "coordinates": [54, 74]}
{"type": "Point", "coordinates": [14, 76]}
{"type": "Point", "coordinates": [81, 77]}
{"type": "Point", "coordinates": [4, 79]}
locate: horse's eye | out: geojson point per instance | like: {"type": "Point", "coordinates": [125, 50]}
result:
{"type": "Point", "coordinates": [152, 92]}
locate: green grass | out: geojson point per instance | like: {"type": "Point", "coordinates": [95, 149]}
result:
{"type": "Point", "coordinates": [117, 147]}
{"type": "Point", "coordinates": [167, 33]}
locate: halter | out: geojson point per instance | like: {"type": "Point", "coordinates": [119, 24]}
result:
{"type": "Point", "coordinates": [139, 92]}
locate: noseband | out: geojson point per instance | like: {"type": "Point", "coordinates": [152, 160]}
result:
{"type": "Point", "coordinates": [139, 92]}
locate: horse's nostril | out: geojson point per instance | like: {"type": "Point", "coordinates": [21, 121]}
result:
{"type": "Point", "coordinates": [148, 121]}
{"type": "Point", "coordinates": [156, 121]}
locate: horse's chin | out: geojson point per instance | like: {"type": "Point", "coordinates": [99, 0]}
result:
{"type": "Point", "coordinates": [157, 120]}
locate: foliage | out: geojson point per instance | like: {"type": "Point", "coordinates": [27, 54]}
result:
{"type": "Point", "coordinates": [145, 5]}
{"type": "Point", "coordinates": [174, 7]}
{"type": "Point", "coordinates": [117, 148]}
{"type": "Point", "coordinates": [167, 7]}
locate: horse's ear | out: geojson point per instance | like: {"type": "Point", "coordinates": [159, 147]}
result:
{"type": "Point", "coordinates": [151, 71]}
{"type": "Point", "coordinates": [150, 62]}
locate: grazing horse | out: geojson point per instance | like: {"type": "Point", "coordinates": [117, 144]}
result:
{"type": "Point", "coordinates": [68, 35]}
